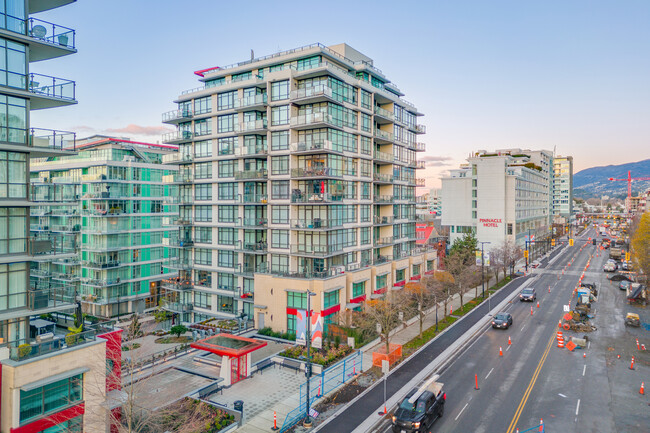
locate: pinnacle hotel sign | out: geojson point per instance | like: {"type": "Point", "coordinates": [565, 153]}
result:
{"type": "Point", "coordinates": [490, 222]}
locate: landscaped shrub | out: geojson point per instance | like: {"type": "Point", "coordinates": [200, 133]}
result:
{"type": "Point", "coordinates": [271, 333]}
{"type": "Point", "coordinates": [326, 356]}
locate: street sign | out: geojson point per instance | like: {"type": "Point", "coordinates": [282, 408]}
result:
{"type": "Point", "coordinates": [487, 258]}
{"type": "Point", "coordinates": [567, 308]}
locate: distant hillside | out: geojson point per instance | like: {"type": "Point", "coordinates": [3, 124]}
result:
{"type": "Point", "coordinates": [592, 182]}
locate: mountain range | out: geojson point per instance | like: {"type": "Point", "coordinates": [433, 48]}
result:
{"type": "Point", "coordinates": [594, 181]}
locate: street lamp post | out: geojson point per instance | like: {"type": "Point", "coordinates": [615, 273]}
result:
{"type": "Point", "coordinates": [483, 269]}
{"type": "Point", "coordinates": [307, 422]}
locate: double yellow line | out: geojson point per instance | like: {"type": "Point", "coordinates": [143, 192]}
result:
{"type": "Point", "coordinates": [524, 399]}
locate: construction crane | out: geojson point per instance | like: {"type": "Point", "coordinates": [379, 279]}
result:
{"type": "Point", "coordinates": [629, 181]}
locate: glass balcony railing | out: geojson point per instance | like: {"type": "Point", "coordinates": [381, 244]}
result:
{"type": "Point", "coordinates": [52, 87]}
{"type": "Point", "coordinates": [387, 240]}
{"type": "Point", "coordinates": [177, 115]}
{"type": "Point", "coordinates": [380, 220]}
{"type": "Point", "coordinates": [312, 146]}
{"type": "Point", "coordinates": [255, 222]}
{"type": "Point", "coordinates": [383, 135]}
{"type": "Point", "coordinates": [48, 244]}
{"type": "Point", "coordinates": [420, 147]}
{"type": "Point", "coordinates": [252, 150]}
{"type": "Point", "coordinates": [320, 172]}
{"type": "Point", "coordinates": [251, 174]}
{"type": "Point", "coordinates": [254, 198]}
{"type": "Point", "coordinates": [312, 92]}
{"type": "Point", "coordinates": [379, 177]}
{"type": "Point", "coordinates": [315, 250]}
{"type": "Point", "coordinates": [311, 119]}
{"type": "Point", "coordinates": [177, 136]}
{"type": "Point", "coordinates": [47, 32]}
{"type": "Point", "coordinates": [253, 125]}
{"type": "Point", "coordinates": [383, 156]}
{"type": "Point", "coordinates": [314, 223]}
{"type": "Point", "coordinates": [52, 139]}
{"type": "Point", "coordinates": [382, 112]}
{"type": "Point", "coordinates": [251, 101]}
{"type": "Point", "coordinates": [384, 199]}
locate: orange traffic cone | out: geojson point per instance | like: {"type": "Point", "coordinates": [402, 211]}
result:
{"type": "Point", "coordinates": [509, 341]}
{"type": "Point", "coordinates": [559, 323]}
{"type": "Point", "coordinates": [584, 354]}
{"type": "Point", "coordinates": [537, 304]}
{"type": "Point", "coordinates": [500, 351]}
{"type": "Point", "coordinates": [642, 389]}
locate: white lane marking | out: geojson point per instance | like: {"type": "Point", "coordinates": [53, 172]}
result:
{"type": "Point", "coordinates": [578, 407]}
{"type": "Point", "coordinates": [508, 348]}
{"type": "Point", "coordinates": [584, 369]}
{"type": "Point", "coordinates": [562, 395]}
{"type": "Point", "coordinates": [488, 375]}
{"type": "Point", "coordinates": [588, 344]}
{"type": "Point", "coordinates": [522, 328]}
{"type": "Point", "coordinates": [461, 411]}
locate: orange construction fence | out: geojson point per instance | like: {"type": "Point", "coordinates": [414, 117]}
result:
{"type": "Point", "coordinates": [394, 354]}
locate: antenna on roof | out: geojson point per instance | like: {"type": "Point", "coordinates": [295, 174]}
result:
{"type": "Point", "coordinates": [252, 54]}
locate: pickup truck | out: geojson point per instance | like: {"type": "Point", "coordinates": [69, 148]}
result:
{"type": "Point", "coordinates": [420, 409]}
{"type": "Point", "coordinates": [615, 253]}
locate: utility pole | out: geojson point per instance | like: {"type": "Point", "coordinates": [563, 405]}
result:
{"type": "Point", "coordinates": [307, 422]}
{"type": "Point", "coordinates": [483, 268]}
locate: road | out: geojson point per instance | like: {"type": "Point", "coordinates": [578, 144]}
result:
{"type": "Point", "coordinates": [367, 405]}
{"type": "Point", "coordinates": [582, 391]}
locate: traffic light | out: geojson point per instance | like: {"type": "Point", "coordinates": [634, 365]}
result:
{"type": "Point", "coordinates": [627, 257]}
{"type": "Point", "coordinates": [552, 242]}
{"type": "Point", "coordinates": [526, 254]}
{"type": "Point", "coordinates": [571, 242]}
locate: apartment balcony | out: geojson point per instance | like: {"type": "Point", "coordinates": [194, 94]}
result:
{"type": "Point", "coordinates": [178, 307]}
{"type": "Point", "coordinates": [298, 196]}
{"type": "Point", "coordinates": [383, 116]}
{"type": "Point", "coordinates": [186, 199]}
{"type": "Point", "coordinates": [310, 173]}
{"type": "Point", "coordinates": [315, 250]}
{"type": "Point", "coordinates": [255, 102]}
{"type": "Point", "coordinates": [177, 137]}
{"type": "Point", "coordinates": [45, 246]}
{"type": "Point", "coordinates": [254, 198]}
{"type": "Point", "coordinates": [384, 241]}
{"type": "Point", "coordinates": [383, 220]}
{"type": "Point", "coordinates": [314, 224]}
{"type": "Point", "coordinates": [248, 270]}
{"type": "Point", "coordinates": [384, 199]}
{"type": "Point", "coordinates": [310, 274]}
{"type": "Point", "coordinates": [177, 284]}
{"type": "Point", "coordinates": [252, 175]}
{"type": "Point", "coordinates": [312, 147]}
{"type": "Point", "coordinates": [65, 228]}
{"type": "Point", "coordinates": [181, 243]}
{"type": "Point", "coordinates": [419, 165]}
{"type": "Point", "coordinates": [36, 6]}
{"type": "Point", "coordinates": [384, 137]}
{"type": "Point", "coordinates": [100, 283]}
{"type": "Point", "coordinates": [182, 221]}
{"type": "Point", "coordinates": [184, 176]}
{"type": "Point", "coordinates": [101, 265]}
{"type": "Point", "coordinates": [255, 223]}
{"type": "Point", "coordinates": [383, 178]}
{"type": "Point", "coordinates": [46, 40]}
{"type": "Point", "coordinates": [260, 247]}
{"type": "Point", "coordinates": [382, 158]}
{"type": "Point", "coordinates": [45, 139]}
{"type": "Point", "coordinates": [46, 91]}
{"type": "Point", "coordinates": [177, 158]}
{"type": "Point", "coordinates": [66, 278]}
{"type": "Point", "coordinates": [18, 349]}
{"type": "Point", "coordinates": [252, 152]}
{"type": "Point", "coordinates": [420, 181]}
{"type": "Point", "coordinates": [312, 95]}
{"type": "Point", "coordinates": [314, 120]}
{"type": "Point", "coordinates": [420, 129]}
{"type": "Point", "coordinates": [174, 117]}
{"type": "Point", "coordinates": [381, 259]}
{"type": "Point", "coordinates": [252, 127]}
{"type": "Point", "coordinates": [179, 264]}
{"type": "Point", "coordinates": [420, 147]}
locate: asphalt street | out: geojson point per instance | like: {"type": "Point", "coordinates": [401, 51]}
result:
{"type": "Point", "coordinates": [367, 405]}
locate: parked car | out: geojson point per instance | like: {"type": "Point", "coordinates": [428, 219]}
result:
{"type": "Point", "coordinates": [624, 285]}
{"type": "Point", "coordinates": [502, 320]}
{"type": "Point", "coordinates": [619, 277]}
{"type": "Point", "coordinates": [528, 294]}
{"type": "Point", "coordinates": [419, 409]}
{"type": "Point", "coordinates": [609, 267]}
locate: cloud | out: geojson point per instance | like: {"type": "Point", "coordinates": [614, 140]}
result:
{"type": "Point", "coordinates": [436, 161]}
{"type": "Point", "coordinates": [83, 128]}
{"type": "Point", "coordinates": [139, 130]}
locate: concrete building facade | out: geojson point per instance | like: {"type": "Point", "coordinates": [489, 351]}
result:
{"type": "Point", "coordinates": [563, 188]}
{"type": "Point", "coordinates": [297, 173]}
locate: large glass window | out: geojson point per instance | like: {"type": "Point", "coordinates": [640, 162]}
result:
{"type": "Point", "coordinates": [203, 148]}
{"type": "Point", "coordinates": [280, 214]}
{"type": "Point", "coordinates": [227, 236]}
{"type": "Point", "coordinates": [13, 286]}
{"type": "Point", "coordinates": [203, 213]}
{"type": "Point", "coordinates": [51, 397]}
{"type": "Point", "coordinates": [227, 259]}
{"type": "Point", "coordinates": [203, 256]}
{"type": "Point", "coordinates": [331, 299]}
{"type": "Point", "coordinates": [227, 191]}
{"type": "Point", "coordinates": [279, 90]}
{"type": "Point", "coordinates": [227, 168]}
{"type": "Point", "coordinates": [297, 300]}
{"type": "Point", "coordinates": [13, 119]}
{"type": "Point", "coordinates": [203, 105]}
{"type": "Point", "coordinates": [13, 230]}
{"type": "Point", "coordinates": [358, 289]}
{"type": "Point", "coordinates": [280, 115]}
{"type": "Point", "coordinates": [203, 191]}
{"type": "Point", "coordinates": [280, 165]}
{"type": "Point", "coordinates": [227, 214]}
{"type": "Point", "coordinates": [13, 175]}
{"type": "Point", "coordinates": [226, 123]}
{"type": "Point", "coordinates": [280, 140]}
{"type": "Point", "coordinates": [13, 62]}
{"type": "Point", "coordinates": [12, 15]}
{"type": "Point", "coordinates": [280, 239]}
{"type": "Point", "coordinates": [226, 100]}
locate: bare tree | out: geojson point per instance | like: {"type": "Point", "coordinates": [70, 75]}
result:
{"type": "Point", "coordinates": [382, 314]}
{"type": "Point", "coordinates": [420, 296]}
{"type": "Point", "coordinates": [464, 274]}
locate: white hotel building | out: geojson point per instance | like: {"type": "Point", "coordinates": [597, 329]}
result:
{"type": "Point", "coordinates": [499, 196]}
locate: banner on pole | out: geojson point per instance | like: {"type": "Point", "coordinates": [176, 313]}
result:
{"type": "Point", "coordinates": [316, 329]}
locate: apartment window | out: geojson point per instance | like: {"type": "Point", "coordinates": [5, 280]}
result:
{"type": "Point", "coordinates": [13, 286]}
{"type": "Point", "coordinates": [13, 227]}
{"type": "Point", "coordinates": [416, 270]}
{"type": "Point", "coordinates": [12, 64]}
{"type": "Point", "coordinates": [365, 235]}
{"type": "Point", "coordinates": [280, 214]}
{"type": "Point", "coordinates": [203, 105]}
{"type": "Point", "coordinates": [226, 259]}
{"type": "Point", "coordinates": [358, 289]}
{"type": "Point", "coordinates": [474, 214]}
{"type": "Point", "coordinates": [509, 226]}
{"type": "Point", "coordinates": [279, 263]}
{"type": "Point", "coordinates": [366, 147]}
{"type": "Point", "coordinates": [203, 256]}
{"type": "Point", "coordinates": [13, 111]}
{"type": "Point", "coordinates": [364, 210]}
{"type": "Point", "coordinates": [366, 124]}
{"type": "Point", "coordinates": [227, 236]}
{"type": "Point", "coordinates": [203, 213]}
{"type": "Point", "coordinates": [400, 275]}
{"type": "Point", "coordinates": [203, 127]}
{"type": "Point", "coordinates": [226, 168]}
{"type": "Point", "coordinates": [280, 90]}
{"type": "Point", "coordinates": [280, 239]}
{"type": "Point", "coordinates": [280, 115]}
{"type": "Point", "coordinates": [203, 170]}
{"type": "Point", "coordinates": [331, 299]}
{"type": "Point", "coordinates": [227, 214]}
{"type": "Point", "coordinates": [297, 300]}
{"type": "Point", "coordinates": [280, 140]}
{"type": "Point", "coordinates": [51, 397]}
{"type": "Point", "coordinates": [291, 324]}
{"type": "Point", "coordinates": [280, 189]}
{"type": "Point", "coordinates": [226, 123]}
{"type": "Point", "coordinates": [13, 175]}
{"type": "Point", "coordinates": [203, 235]}
{"type": "Point", "coordinates": [203, 191]}
{"type": "Point", "coordinates": [381, 282]}
{"type": "Point", "coordinates": [242, 77]}
{"type": "Point", "coordinates": [226, 145]}
{"type": "Point", "coordinates": [226, 101]}
{"type": "Point", "coordinates": [366, 99]}
{"type": "Point", "coordinates": [474, 183]}
{"type": "Point", "coordinates": [308, 63]}
{"type": "Point", "coordinates": [429, 265]}
{"type": "Point", "coordinates": [280, 165]}
{"type": "Point", "coordinates": [203, 300]}
{"type": "Point", "coordinates": [227, 191]}
{"type": "Point", "coordinates": [203, 149]}
{"type": "Point", "coordinates": [226, 281]}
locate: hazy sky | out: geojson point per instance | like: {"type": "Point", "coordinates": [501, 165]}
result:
{"type": "Point", "coordinates": [567, 74]}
